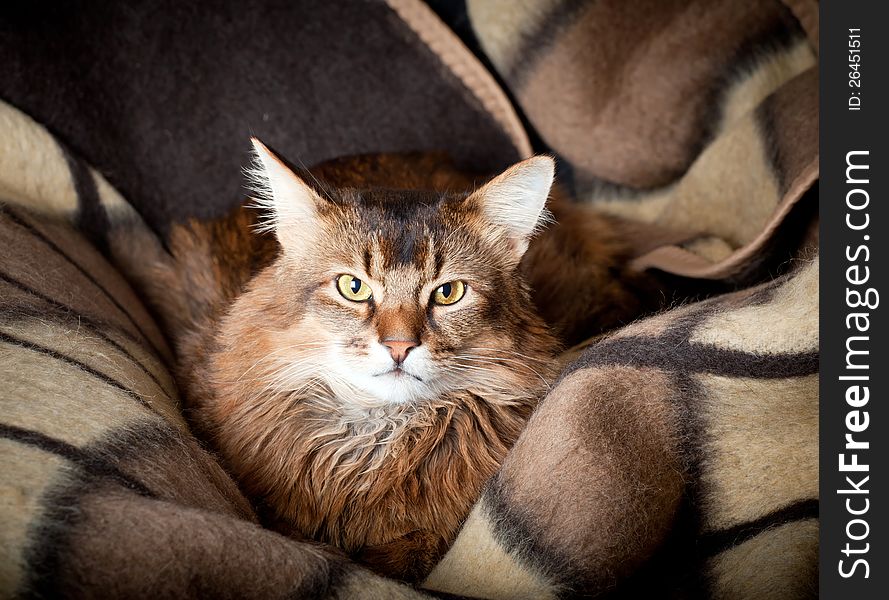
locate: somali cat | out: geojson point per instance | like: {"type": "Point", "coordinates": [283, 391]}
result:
{"type": "Point", "coordinates": [364, 350]}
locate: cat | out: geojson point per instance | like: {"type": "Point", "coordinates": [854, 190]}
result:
{"type": "Point", "coordinates": [361, 346]}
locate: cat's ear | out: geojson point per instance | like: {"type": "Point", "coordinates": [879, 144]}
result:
{"type": "Point", "coordinates": [515, 201]}
{"type": "Point", "coordinates": [291, 204]}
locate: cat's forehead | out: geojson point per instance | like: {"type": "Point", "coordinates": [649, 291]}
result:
{"type": "Point", "coordinates": [403, 234]}
{"type": "Point", "coordinates": [398, 210]}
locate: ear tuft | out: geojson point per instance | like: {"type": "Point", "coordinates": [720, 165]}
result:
{"type": "Point", "coordinates": [288, 200]}
{"type": "Point", "coordinates": [515, 200]}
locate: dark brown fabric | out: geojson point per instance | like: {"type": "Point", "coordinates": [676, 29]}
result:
{"type": "Point", "coordinates": [162, 96]}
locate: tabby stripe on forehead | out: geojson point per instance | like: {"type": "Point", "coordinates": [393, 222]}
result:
{"type": "Point", "coordinates": [412, 249]}
{"type": "Point", "coordinates": [439, 263]}
{"type": "Point", "coordinates": [367, 260]}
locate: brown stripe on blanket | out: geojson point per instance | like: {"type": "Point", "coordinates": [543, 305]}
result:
{"type": "Point", "coordinates": [39, 344]}
{"type": "Point", "coordinates": [743, 209]}
{"type": "Point", "coordinates": [632, 106]}
{"type": "Point", "coordinates": [94, 373]}
{"type": "Point", "coordinates": [173, 463]}
{"type": "Point", "coordinates": [781, 146]}
{"type": "Point", "coordinates": [758, 444]}
{"type": "Point", "coordinates": [145, 512]}
{"type": "Point", "coordinates": [478, 565]}
{"type": "Point", "coordinates": [91, 218]}
{"type": "Point", "coordinates": [24, 311]}
{"type": "Point", "coordinates": [96, 541]}
{"type": "Point", "coordinates": [793, 296]}
{"type": "Point", "coordinates": [673, 353]}
{"type": "Point", "coordinates": [40, 385]}
{"type": "Point", "coordinates": [717, 542]}
{"type": "Point", "coordinates": [806, 12]}
{"type": "Point", "coordinates": [573, 502]}
{"type": "Point", "coordinates": [26, 474]}
{"type": "Point", "coordinates": [779, 563]}
{"type": "Point", "coordinates": [35, 249]}
{"type": "Point", "coordinates": [789, 122]}
{"type": "Point", "coordinates": [17, 304]}
{"type": "Point", "coordinates": [724, 335]}
{"type": "Point", "coordinates": [84, 460]}
{"type": "Point", "coordinates": [515, 39]}
{"type": "Point", "coordinates": [631, 93]}
{"type": "Point", "coordinates": [715, 197]}
{"type": "Point", "coordinates": [676, 352]}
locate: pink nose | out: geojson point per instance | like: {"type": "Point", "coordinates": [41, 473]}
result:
{"type": "Point", "coordinates": [399, 349]}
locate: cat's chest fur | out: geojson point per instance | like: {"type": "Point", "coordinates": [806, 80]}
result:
{"type": "Point", "coordinates": [359, 480]}
{"type": "Point", "coordinates": [391, 484]}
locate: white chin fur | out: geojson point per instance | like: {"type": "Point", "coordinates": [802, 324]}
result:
{"type": "Point", "coordinates": [369, 383]}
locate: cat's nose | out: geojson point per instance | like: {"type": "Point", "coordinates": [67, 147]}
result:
{"type": "Point", "coordinates": [399, 349]}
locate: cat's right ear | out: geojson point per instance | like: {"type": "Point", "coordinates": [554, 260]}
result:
{"type": "Point", "coordinates": [514, 202]}
{"type": "Point", "coordinates": [291, 204]}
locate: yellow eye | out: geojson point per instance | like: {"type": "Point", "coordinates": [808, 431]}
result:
{"type": "Point", "coordinates": [353, 288]}
{"type": "Point", "coordinates": [449, 293]}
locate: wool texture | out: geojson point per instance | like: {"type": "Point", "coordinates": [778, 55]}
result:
{"type": "Point", "coordinates": [677, 453]}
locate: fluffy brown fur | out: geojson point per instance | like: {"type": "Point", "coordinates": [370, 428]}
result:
{"type": "Point", "coordinates": [581, 274]}
{"type": "Point", "coordinates": [267, 347]}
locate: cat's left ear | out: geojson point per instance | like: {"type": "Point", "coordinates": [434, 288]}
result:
{"type": "Point", "coordinates": [515, 201]}
{"type": "Point", "coordinates": [291, 203]}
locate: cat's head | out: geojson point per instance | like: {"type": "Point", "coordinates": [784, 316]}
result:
{"type": "Point", "coordinates": [400, 296]}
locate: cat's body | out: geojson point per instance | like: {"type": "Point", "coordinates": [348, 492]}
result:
{"type": "Point", "coordinates": [372, 423]}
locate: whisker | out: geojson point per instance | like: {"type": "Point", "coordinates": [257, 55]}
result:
{"type": "Point", "coordinates": [278, 351]}
{"type": "Point", "coordinates": [489, 359]}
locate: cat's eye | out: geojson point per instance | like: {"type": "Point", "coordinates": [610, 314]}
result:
{"type": "Point", "coordinates": [449, 293]}
{"type": "Point", "coordinates": [352, 288]}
